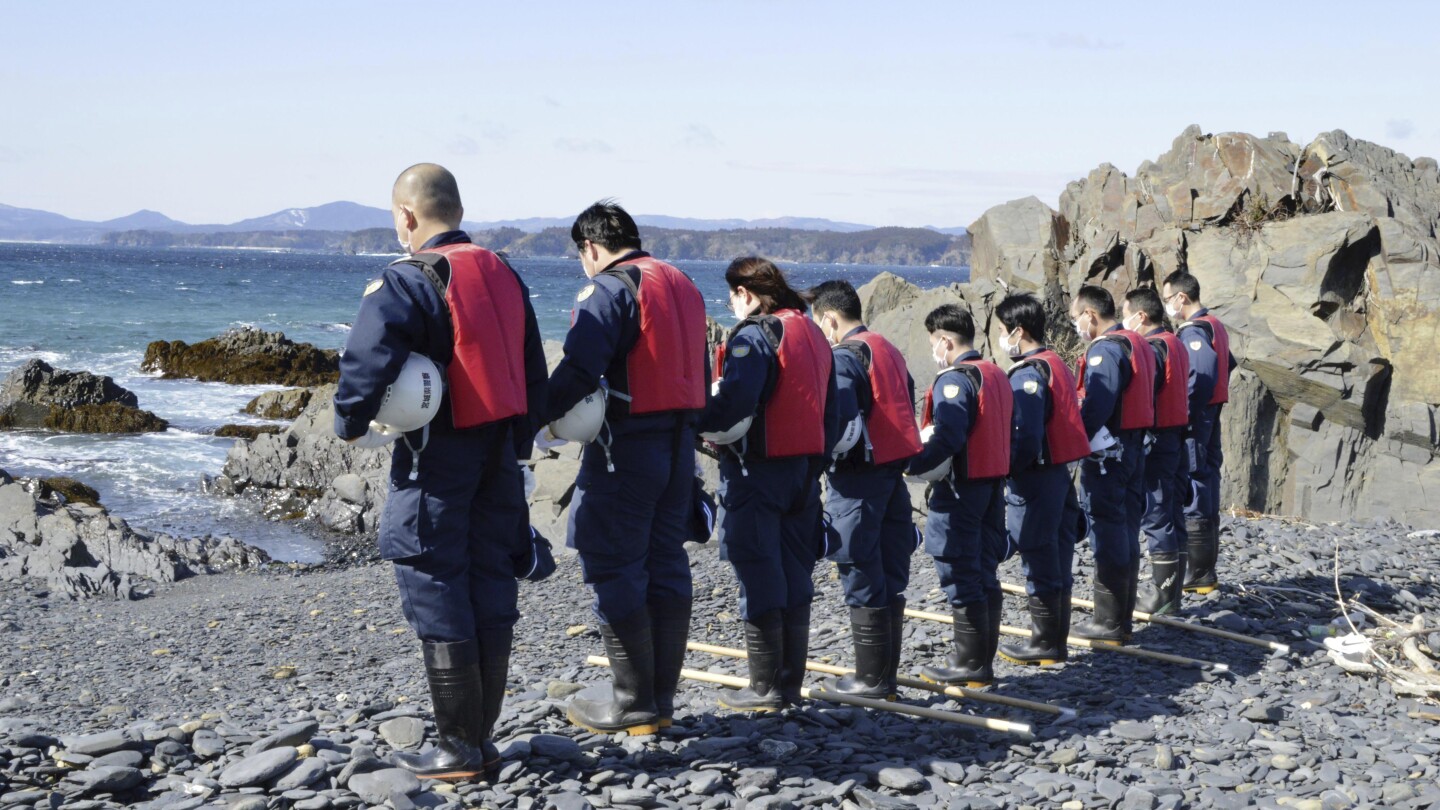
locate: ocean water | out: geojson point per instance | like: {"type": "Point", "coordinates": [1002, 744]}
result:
{"type": "Point", "coordinates": [95, 309]}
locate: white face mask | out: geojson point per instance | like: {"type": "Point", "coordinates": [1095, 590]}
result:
{"type": "Point", "coordinates": [740, 309]}
{"type": "Point", "coordinates": [1008, 347]}
{"type": "Point", "coordinates": [1125, 324]}
{"type": "Point", "coordinates": [938, 355]}
{"type": "Point", "coordinates": [1171, 312]}
{"type": "Point", "coordinates": [405, 246]}
{"type": "Point", "coordinates": [1081, 331]}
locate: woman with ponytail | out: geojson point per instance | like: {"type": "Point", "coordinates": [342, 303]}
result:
{"type": "Point", "coordinates": [772, 415]}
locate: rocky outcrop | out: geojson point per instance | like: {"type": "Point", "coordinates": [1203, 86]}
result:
{"type": "Point", "coordinates": [245, 431]}
{"type": "Point", "coordinates": [287, 404]}
{"type": "Point", "coordinates": [1323, 261]}
{"type": "Point", "coordinates": [38, 396]}
{"type": "Point", "coordinates": [244, 356]}
{"type": "Point", "coordinates": [49, 532]}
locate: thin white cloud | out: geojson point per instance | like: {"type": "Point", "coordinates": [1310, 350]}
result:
{"type": "Point", "coordinates": [699, 136]}
{"type": "Point", "coordinates": [1080, 42]}
{"type": "Point", "coordinates": [966, 177]}
{"type": "Point", "coordinates": [583, 145]}
{"type": "Point", "coordinates": [1399, 128]}
{"type": "Point", "coordinates": [463, 145]}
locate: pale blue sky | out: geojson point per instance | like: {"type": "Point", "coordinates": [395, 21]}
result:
{"type": "Point", "coordinates": [887, 114]}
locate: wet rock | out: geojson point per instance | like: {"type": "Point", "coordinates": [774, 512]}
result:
{"type": "Point", "coordinates": [246, 432]}
{"type": "Point", "coordinates": [38, 396]}
{"type": "Point", "coordinates": [244, 356]}
{"type": "Point", "coordinates": [285, 404]}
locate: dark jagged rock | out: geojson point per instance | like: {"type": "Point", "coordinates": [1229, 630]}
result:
{"type": "Point", "coordinates": [38, 396]}
{"type": "Point", "coordinates": [244, 356]}
{"type": "Point", "coordinates": [287, 404]}
{"type": "Point", "coordinates": [246, 432]}
{"type": "Point", "coordinates": [79, 549]}
{"type": "Point", "coordinates": [69, 489]}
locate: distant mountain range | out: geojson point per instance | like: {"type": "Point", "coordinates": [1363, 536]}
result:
{"type": "Point", "coordinates": [32, 224]}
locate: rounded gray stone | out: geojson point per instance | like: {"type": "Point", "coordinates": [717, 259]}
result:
{"type": "Point", "coordinates": [553, 746]}
{"type": "Point", "coordinates": [1130, 730]}
{"type": "Point", "coordinates": [403, 732]}
{"type": "Point", "coordinates": [905, 780]}
{"type": "Point", "coordinates": [305, 773]}
{"type": "Point", "coordinates": [258, 769]}
{"type": "Point", "coordinates": [376, 787]}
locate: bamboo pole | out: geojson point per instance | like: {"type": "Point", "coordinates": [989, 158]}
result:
{"type": "Point", "coordinates": [914, 683]}
{"type": "Point", "coordinates": [1179, 624]}
{"type": "Point", "coordinates": [1020, 729]}
{"type": "Point", "coordinates": [1076, 641]}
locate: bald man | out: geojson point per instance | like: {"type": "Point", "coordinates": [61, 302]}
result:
{"type": "Point", "coordinates": [456, 516]}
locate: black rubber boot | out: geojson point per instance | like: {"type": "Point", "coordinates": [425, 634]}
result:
{"type": "Point", "coordinates": [1132, 597]}
{"type": "Point", "coordinates": [992, 638]}
{"type": "Point", "coordinates": [870, 630]}
{"type": "Point", "coordinates": [966, 664]}
{"type": "Point", "coordinates": [897, 645]}
{"type": "Point", "coordinates": [495, 644]}
{"type": "Point", "coordinates": [631, 650]}
{"type": "Point", "coordinates": [1105, 626]}
{"type": "Point", "coordinates": [764, 638]}
{"type": "Point", "coordinates": [462, 751]}
{"type": "Point", "coordinates": [1203, 546]}
{"type": "Point", "coordinates": [795, 653]}
{"type": "Point", "coordinates": [670, 626]}
{"type": "Point", "coordinates": [1047, 635]}
{"type": "Point", "coordinates": [1165, 573]}
{"type": "Point", "coordinates": [1067, 609]}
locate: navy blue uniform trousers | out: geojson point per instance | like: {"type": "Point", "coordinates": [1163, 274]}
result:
{"type": "Point", "coordinates": [1164, 522]}
{"type": "Point", "coordinates": [1204, 446]}
{"type": "Point", "coordinates": [1035, 515]}
{"type": "Point", "coordinates": [965, 533]}
{"type": "Point", "coordinates": [870, 507]}
{"type": "Point", "coordinates": [769, 531]}
{"type": "Point", "coordinates": [452, 532]}
{"type": "Point", "coordinates": [1113, 497]}
{"type": "Point", "coordinates": [629, 526]}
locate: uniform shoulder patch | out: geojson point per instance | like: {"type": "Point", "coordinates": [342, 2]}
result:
{"type": "Point", "coordinates": [951, 391]}
{"type": "Point", "coordinates": [1031, 387]}
{"type": "Point", "coordinates": [1097, 360]}
{"type": "Point", "coordinates": [740, 351]}
{"type": "Point", "coordinates": [1195, 345]}
{"type": "Point", "coordinates": [374, 286]}
{"type": "Point", "coordinates": [586, 293]}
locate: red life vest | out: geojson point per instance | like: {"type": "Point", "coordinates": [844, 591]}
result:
{"type": "Point", "coordinates": [1172, 398]}
{"type": "Point", "coordinates": [486, 376]}
{"type": "Point", "coordinates": [793, 419]}
{"type": "Point", "coordinates": [1137, 401]}
{"type": "Point", "coordinates": [1220, 341]}
{"type": "Point", "coordinates": [987, 448]}
{"type": "Point", "coordinates": [1065, 439]}
{"type": "Point", "coordinates": [665, 370]}
{"type": "Point", "coordinates": [890, 425]}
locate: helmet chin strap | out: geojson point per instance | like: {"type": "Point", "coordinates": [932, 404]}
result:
{"type": "Point", "coordinates": [415, 453]}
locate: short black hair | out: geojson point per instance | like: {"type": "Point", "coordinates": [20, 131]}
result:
{"type": "Point", "coordinates": [951, 318]}
{"type": "Point", "coordinates": [1097, 298]}
{"type": "Point", "coordinates": [608, 225]}
{"type": "Point", "coordinates": [1023, 310]}
{"type": "Point", "coordinates": [836, 296]}
{"type": "Point", "coordinates": [1181, 281]}
{"type": "Point", "coordinates": [1146, 300]}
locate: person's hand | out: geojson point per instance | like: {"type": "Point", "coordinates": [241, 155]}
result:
{"type": "Point", "coordinates": [545, 440]}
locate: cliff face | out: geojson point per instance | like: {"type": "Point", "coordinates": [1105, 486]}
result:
{"type": "Point", "coordinates": [1324, 263]}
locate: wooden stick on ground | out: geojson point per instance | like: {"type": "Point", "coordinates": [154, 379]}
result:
{"type": "Point", "coordinates": [1020, 729]}
{"type": "Point", "coordinates": [914, 683]}
{"type": "Point", "coordinates": [1076, 641]}
{"type": "Point", "coordinates": [1179, 624]}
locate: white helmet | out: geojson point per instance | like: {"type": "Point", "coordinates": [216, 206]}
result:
{"type": "Point", "coordinates": [1104, 440]}
{"type": "Point", "coordinates": [935, 473]}
{"type": "Point", "coordinates": [850, 436]}
{"type": "Point", "coordinates": [583, 422]}
{"type": "Point", "coordinates": [735, 433]}
{"type": "Point", "coordinates": [378, 436]}
{"type": "Point", "coordinates": [414, 398]}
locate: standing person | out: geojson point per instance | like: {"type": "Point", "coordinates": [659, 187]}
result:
{"type": "Point", "coordinates": [456, 512]}
{"type": "Point", "coordinates": [1201, 331]}
{"type": "Point", "coordinates": [966, 425]}
{"type": "Point", "coordinates": [774, 407]}
{"type": "Point", "coordinates": [1117, 405]}
{"type": "Point", "coordinates": [868, 501]}
{"type": "Point", "coordinates": [1047, 436]}
{"type": "Point", "coordinates": [1164, 516]}
{"type": "Point", "coordinates": [638, 327]}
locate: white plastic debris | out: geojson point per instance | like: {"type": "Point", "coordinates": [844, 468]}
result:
{"type": "Point", "coordinates": [1349, 652]}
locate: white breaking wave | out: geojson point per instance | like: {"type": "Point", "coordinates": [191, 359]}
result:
{"type": "Point", "coordinates": [25, 281]}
